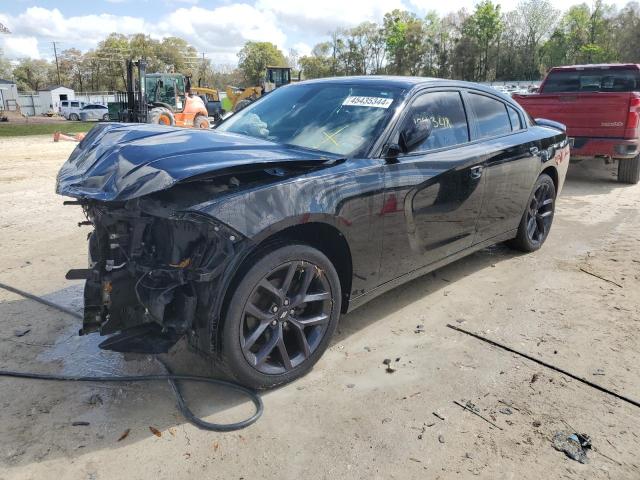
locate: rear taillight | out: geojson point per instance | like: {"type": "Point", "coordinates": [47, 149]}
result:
{"type": "Point", "coordinates": [633, 118]}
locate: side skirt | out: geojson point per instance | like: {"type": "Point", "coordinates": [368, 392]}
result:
{"type": "Point", "coordinates": [391, 284]}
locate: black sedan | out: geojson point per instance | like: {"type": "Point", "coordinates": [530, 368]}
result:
{"type": "Point", "coordinates": [252, 239]}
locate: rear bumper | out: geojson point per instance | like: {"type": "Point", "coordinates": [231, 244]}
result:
{"type": "Point", "coordinates": [585, 147]}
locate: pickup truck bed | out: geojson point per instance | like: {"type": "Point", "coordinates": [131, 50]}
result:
{"type": "Point", "coordinates": [600, 106]}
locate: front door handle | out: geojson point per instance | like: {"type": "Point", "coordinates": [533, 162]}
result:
{"type": "Point", "coordinates": [476, 172]}
{"type": "Point", "coordinates": [534, 150]}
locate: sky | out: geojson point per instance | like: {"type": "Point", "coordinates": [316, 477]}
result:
{"type": "Point", "coordinates": [217, 28]}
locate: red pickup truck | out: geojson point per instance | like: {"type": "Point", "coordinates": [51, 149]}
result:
{"type": "Point", "coordinates": [600, 106]}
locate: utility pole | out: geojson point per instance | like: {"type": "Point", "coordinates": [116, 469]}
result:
{"type": "Point", "coordinates": [55, 53]}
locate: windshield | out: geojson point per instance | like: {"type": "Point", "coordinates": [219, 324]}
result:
{"type": "Point", "coordinates": [335, 118]}
{"type": "Point", "coordinates": [593, 80]}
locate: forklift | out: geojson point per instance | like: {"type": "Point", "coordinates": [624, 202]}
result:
{"type": "Point", "coordinates": [160, 98]}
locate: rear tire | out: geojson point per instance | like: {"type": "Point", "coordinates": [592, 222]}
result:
{"type": "Point", "coordinates": [162, 116]}
{"type": "Point", "coordinates": [262, 321]}
{"type": "Point", "coordinates": [74, 117]}
{"type": "Point", "coordinates": [629, 170]}
{"type": "Point", "coordinates": [105, 117]}
{"type": "Point", "coordinates": [538, 216]}
{"type": "Point", "coordinates": [201, 122]}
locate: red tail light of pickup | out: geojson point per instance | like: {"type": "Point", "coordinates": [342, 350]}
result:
{"type": "Point", "coordinates": [633, 118]}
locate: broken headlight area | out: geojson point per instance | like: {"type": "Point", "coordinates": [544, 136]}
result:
{"type": "Point", "coordinates": [151, 276]}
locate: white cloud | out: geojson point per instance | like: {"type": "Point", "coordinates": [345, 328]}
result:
{"type": "Point", "coordinates": [323, 17]}
{"type": "Point", "coordinates": [302, 48]}
{"type": "Point", "coordinates": [220, 32]}
{"type": "Point", "coordinates": [18, 46]}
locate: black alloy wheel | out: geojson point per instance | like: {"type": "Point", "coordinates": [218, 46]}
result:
{"type": "Point", "coordinates": [538, 216]}
{"type": "Point", "coordinates": [286, 317]}
{"type": "Point", "coordinates": [281, 316]}
{"type": "Point", "coordinates": [540, 213]}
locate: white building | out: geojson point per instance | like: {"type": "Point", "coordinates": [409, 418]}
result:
{"type": "Point", "coordinates": [8, 95]}
{"type": "Point", "coordinates": [51, 97]}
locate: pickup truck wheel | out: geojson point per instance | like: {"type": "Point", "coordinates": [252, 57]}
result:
{"type": "Point", "coordinates": [538, 216]}
{"type": "Point", "coordinates": [629, 170]}
{"type": "Point", "coordinates": [74, 117]}
{"type": "Point", "coordinates": [281, 316]}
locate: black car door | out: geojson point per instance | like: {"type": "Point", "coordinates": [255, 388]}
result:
{"type": "Point", "coordinates": [433, 194]}
{"type": "Point", "coordinates": [510, 165]}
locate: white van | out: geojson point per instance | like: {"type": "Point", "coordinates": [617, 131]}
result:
{"type": "Point", "coordinates": [70, 109]}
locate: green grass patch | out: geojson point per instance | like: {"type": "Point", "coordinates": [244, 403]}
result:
{"type": "Point", "coordinates": [8, 129]}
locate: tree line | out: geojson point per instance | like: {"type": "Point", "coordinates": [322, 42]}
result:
{"type": "Point", "coordinates": [484, 44]}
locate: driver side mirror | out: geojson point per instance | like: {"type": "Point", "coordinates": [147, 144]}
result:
{"type": "Point", "coordinates": [415, 131]}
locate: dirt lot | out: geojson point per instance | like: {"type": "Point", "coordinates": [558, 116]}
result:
{"type": "Point", "coordinates": [348, 417]}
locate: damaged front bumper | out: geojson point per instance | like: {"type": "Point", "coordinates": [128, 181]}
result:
{"type": "Point", "coordinates": [153, 276]}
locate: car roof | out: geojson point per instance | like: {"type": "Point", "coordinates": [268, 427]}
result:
{"type": "Point", "coordinates": [599, 66]}
{"type": "Point", "coordinates": [409, 83]}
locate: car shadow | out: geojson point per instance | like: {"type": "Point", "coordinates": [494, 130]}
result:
{"type": "Point", "coordinates": [126, 407]}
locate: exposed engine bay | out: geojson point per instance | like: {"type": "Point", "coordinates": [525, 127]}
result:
{"type": "Point", "coordinates": [155, 267]}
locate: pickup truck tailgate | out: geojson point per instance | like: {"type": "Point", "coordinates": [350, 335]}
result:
{"type": "Point", "coordinates": [596, 114]}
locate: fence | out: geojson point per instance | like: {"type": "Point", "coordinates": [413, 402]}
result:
{"type": "Point", "coordinates": [30, 104]}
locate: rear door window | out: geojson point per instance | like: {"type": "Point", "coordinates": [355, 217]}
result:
{"type": "Point", "coordinates": [446, 112]}
{"type": "Point", "coordinates": [592, 80]}
{"type": "Point", "coordinates": [75, 104]}
{"type": "Point", "coordinates": [491, 115]}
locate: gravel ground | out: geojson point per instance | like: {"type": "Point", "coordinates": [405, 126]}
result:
{"type": "Point", "coordinates": [348, 417]}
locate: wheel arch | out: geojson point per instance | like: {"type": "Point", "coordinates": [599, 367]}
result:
{"type": "Point", "coordinates": [319, 234]}
{"type": "Point", "coordinates": [553, 173]}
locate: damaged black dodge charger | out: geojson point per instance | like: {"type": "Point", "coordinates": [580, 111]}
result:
{"type": "Point", "coordinates": [250, 240]}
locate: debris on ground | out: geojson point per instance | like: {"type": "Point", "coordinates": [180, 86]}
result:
{"type": "Point", "coordinates": [80, 424]}
{"type": "Point", "coordinates": [419, 329]}
{"type": "Point", "coordinates": [535, 378]}
{"type": "Point", "coordinates": [599, 371]}
{"type": "Point", "coordinates": [476, 411]}
{"type": "Point", "coordinates": [506, 411]}
{"type": "Point", "coordinates": [601, 277]}
{"type": "Point", "coordinates": [390, 368]}
{"type": "Point", "coordinates": [574, 445]}
{"type": "Point", "coordinates": [441, 438]}
{"type": "Point", "coordinates": [155, 431]}
{"type": "Point", "coordinates": [21, 333]}
{"type": "Point", "coordinates": [124, 435]}
{"type": "Point", "coordinates": [95, 399]}
{"type": "Point", "coordinates": [438, 415]}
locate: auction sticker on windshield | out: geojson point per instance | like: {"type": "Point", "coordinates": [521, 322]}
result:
{"type": "Point", "coordinates": [376, 102]}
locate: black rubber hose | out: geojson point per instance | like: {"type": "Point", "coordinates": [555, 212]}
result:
{"type": "Point", "coordinates": [41, 300]}
{"type": "Point", "coordinates": [188, 414]}
{"type": "Point", "coordinates": [170, 377]}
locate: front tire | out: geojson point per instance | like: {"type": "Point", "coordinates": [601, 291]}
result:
{"type": "Point", "coordinates": [538, 216]}
{"type": "Point", "coordinates": [74, 117]}
{"type": "Point", "coordinates": [281, 316]}
{"type": "Point", "coordinates": [629, 170]}
{"type": "Point", "coordinates": [162, 116]}
{"type": "Point", "coordinates": [201, 122]}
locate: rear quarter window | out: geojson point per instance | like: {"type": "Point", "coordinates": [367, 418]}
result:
{"type": "Point", "coordinates": [516, 121]}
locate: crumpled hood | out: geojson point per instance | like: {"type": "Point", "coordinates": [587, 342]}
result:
{"type": "Point", "coordinates": [117, 161]}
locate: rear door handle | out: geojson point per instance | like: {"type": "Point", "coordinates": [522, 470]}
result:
{"type": "Point", "coordinates": [476, 172]}
{"type": "Point", "coordinates": [534, 150]}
